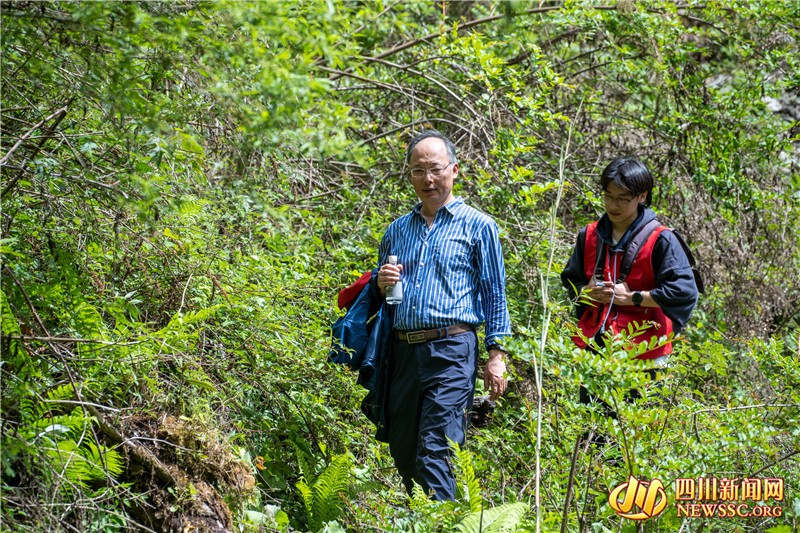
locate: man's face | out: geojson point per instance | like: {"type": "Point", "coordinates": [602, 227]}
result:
{"type": "Point", "coordinates": [427, 158]}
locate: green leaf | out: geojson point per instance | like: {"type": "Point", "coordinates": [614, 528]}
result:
{"type": "Point", "coordinates": [504, 518]}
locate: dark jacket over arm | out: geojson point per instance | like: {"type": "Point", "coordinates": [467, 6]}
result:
{"type": "Point", "coordinates": [573, 276]}
{"type": "Point", "coordinates": [676, 291]}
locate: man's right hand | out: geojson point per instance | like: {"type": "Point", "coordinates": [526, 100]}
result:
{"type": "Point", "coordinates": [388, 275]}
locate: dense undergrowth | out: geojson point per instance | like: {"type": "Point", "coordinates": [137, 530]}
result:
{"type": "Point", "coordinates": [187, 185]}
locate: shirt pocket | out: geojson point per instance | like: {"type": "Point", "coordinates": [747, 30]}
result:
{"type": "Point", "coordinates": [453, 258]}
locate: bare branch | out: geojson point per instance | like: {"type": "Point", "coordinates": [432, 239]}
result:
{"type": "Point", "coordinates": [460, 27]}
{"type": "Point", "coordinates": [389, 86]}
{"type": "Point", "coordinates": [58, 113]}
{"type": "Point", "coordinates": [770, 465]}
{"type": "Point", "coordinates": [70, 340]}
{"type": "Point", "coordinates": [59, 116]}
{"type": "Point", "coordinates": [27, 300]}
{"type": "Point", "coordinates": [107, 408]}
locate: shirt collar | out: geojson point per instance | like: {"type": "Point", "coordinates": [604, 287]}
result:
{"type": "Point", "coordinates": [451, 207]}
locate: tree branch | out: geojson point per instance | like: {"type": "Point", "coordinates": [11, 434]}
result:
{"type": "Point", "coordinates": [27, 300]}
{"type": "Point", "coordinates": [60, 113]}
{"type": "Point", "coordinates": [472, 23]}
{"type": "Point", "coordinates": [70, 339]}
{"type": "Point", "coordinates": [384, 85]}
{"type": "Point", "coordinates": [59, 116]}
{"type": "Point", "coordinates": [770, 465]}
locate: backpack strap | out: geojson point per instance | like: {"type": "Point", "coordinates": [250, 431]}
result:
{"type": "Point", "coordinates": [634, 245]}
{"type": "Point", "coordinates": [600, 256]}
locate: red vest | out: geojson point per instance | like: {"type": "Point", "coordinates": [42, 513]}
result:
{"type": "Point", "coordinates": [641, 278]}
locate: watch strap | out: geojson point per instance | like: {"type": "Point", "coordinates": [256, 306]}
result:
{"type": "Point", "coordinates": [637, 298]}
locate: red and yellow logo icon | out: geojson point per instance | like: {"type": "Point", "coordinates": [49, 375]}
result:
{"type": "Point", "coordinates": [648, 498]}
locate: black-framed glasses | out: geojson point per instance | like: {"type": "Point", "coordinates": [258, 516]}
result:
{"type": "Point", "coordinates": [436, 172]}
{"type": "Point", "coordinates": [621, 202]}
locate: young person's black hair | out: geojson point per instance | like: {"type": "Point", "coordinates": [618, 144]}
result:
{"type": "Point", "coordinates": [629, 174]}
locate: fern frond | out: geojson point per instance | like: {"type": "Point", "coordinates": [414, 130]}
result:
{"type": "Point", "coordinates": [8, 322]}
{"type": "Point", "coordinates": [104, 461]}
{"type": "Point", "coordinates": [108, 462]}
{"type": "Point", "coordinates": [466, 478]}
{"type": "Point", "coordinates": [88, 321]}
{"type": "Point", "coordinates": [74, 424]}
{"type": "Point", "coordinates": [307, 494]}
{"type": "Point", "coordinates": [84, 462]}
{"type": "Point", "coordinates": [304, 460]}
{"type": "Point", "coordinates": [418, 499]}
{"type": "Point", "coordinates": [323, 500]}
{"type": "Point", "coordinates": [328, 489]}
{"type": "Point", "coordinates": [115, 463]}
{"type": "Point", "coordinates": [66, 458]}
{"type": "Point", "coordinates": [501, 519]}
{"type": "Point", "coordinates": [27, 407]}
{"type": "Point", "coordinates": [63, 392]}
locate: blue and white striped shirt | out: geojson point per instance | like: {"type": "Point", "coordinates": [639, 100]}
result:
{"type": "Point", "coordinates": [453, 271]}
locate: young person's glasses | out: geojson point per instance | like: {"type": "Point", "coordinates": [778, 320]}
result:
{"type": "Point", "coordinates": [621, 202]}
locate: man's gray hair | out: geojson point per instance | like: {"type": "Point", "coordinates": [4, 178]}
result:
{"type": "Point", "coordinates": [451, 148]}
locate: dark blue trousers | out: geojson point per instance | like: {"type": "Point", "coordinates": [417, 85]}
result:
{"type": "Point", "coordinates": [431, 386]}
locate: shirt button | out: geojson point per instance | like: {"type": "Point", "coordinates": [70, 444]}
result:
{"type": "Point", "coordinates": [418, 285]}
{"type": "Point", "coordinates": [422, 263]}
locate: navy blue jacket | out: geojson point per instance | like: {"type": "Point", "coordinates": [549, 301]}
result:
{"type": "Point", "coordinates": [362, 340]}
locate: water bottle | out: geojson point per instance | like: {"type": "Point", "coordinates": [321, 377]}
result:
{"type": "Point", "coordinates": [394, 293]}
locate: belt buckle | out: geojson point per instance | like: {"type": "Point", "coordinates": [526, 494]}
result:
{"type": "Point", "coordinates": [415, 337]}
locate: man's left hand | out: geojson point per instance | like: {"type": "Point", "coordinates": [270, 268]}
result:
{"type": "Point", "coordinates": [494, 374]}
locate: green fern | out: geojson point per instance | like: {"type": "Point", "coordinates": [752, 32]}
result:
{"type": "Point", "coordinates": [64, 441]}
{"type": "Point", "coordinates": [501, 519]}
{"type": "Point", "coordinates": [444, 516]}
{"type": "Point", "coordinates": [8, 322]}
{"type": "Point", "coordinates": [418, 499]}
{"type": "Point", "coordinates": [84, 461]}
{"type": "Point", "coordinates": [305, 459]}
{"type": "Point", "coordinates": [308, 496]}
{"type": "Point", "coordinates": [467, 480]}
{"type": "Point", "coordinates": [10, 326]}
{"type": "Point", "coordinates": [323, 500]}
{"type": "Point", "coordinates": [27, 404]}
{"type": "Point", "coordinates": [329, 487]}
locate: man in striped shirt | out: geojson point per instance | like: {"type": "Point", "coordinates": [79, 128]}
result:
{"type": "Point", "coordinates": [451, 264]}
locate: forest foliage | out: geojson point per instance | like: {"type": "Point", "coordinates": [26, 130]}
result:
{"type": "Point", "coordinates": [186, 186]}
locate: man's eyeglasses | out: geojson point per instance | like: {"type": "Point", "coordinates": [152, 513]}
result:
{"type": "Point", "coordinates": [422, 172]}
{"type": "Point", "coordinates": [622, 202]}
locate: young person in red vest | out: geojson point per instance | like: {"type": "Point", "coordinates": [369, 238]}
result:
{"type": "Point", "coordinates": [658, 291]}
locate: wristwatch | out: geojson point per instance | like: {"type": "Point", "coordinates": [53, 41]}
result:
{"type": "Point", "coordinates": [496, 346]}
{"type": "Point", "coordinates": [637, 299]}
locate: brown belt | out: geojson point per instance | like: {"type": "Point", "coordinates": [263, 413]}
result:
{"type": "Point", "coordinates": [424, 335]}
